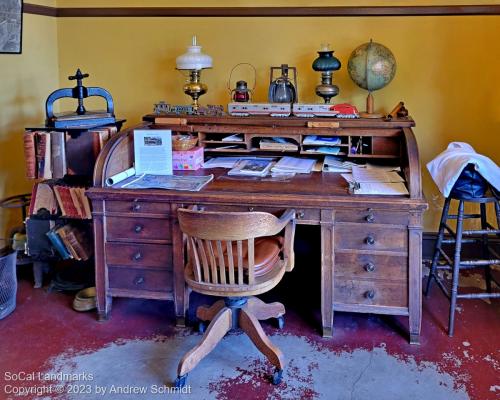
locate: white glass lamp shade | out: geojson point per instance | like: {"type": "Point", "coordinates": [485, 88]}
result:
{"type": "Point", "coordinates": [193, 59]}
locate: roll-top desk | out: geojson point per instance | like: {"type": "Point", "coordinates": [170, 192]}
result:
{"type": "Point", "coordinates": [370, 245]}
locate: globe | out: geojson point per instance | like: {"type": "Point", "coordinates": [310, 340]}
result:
{"type": "Point", "coordinates": [371, 66]}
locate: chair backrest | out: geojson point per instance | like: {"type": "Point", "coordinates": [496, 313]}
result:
{"type": "Point", "coordinates": [221, 245]}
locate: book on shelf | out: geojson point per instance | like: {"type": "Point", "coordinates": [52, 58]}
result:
{"type": "Point", "coordinates": [76, 240]}
{"type": "Point", "coordinates": [58, 150]}
{"type": "Point", "coordinates": [55, 199]}
{"type": "Point", "coordinates": [43, 198]}
{"type": "Point", "coordinates": [278, 144]}
{"type": "Point", "coordinates": [58, 244]}
{"type": "Point", "coordinates": [255, 167]}
{"type": "Point", "coordinates": [30, 154]}
{"type": "Point", "coordinates": [54, 154]}
{"type": "Point", "coordinates": [72, 202]}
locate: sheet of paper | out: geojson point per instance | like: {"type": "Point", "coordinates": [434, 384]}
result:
{"type": "Point", "coordinates": [385, 188]}
{"type": "Point", "coordinates": [153, 151]}
{"type": "Point", "coordinates": [375, 175]}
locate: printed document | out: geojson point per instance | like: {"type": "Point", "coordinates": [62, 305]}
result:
{"type": "Point", "coordinates": [153, 151]}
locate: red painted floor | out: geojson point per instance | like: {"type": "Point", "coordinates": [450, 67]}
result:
{"type": "Point", "coordinates": [44, 325]}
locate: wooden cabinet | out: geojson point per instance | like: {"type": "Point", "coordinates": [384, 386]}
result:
{"type": "Point", "coordinates": [370, 245]}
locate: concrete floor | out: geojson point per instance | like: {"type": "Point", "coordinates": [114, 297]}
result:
{"type": "Point", "coordinates": [134, 355]}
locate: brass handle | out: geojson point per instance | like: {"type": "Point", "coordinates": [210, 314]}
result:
{"type": "Point", "coordinates": [370, 218]}
{"type": "Point", "coordinates": [370, 240]}
{"type": "Point", "coordinates": [370, 267]}
{"type": "Point", "coordinates": [136, 207]}
{"type": "Point", "coordinates": [251, 208]}
{"type": "Point", "coordinates": [138, 228]}
{"type": "Point", "coordinates": [300, 214]}
{"type": "Point", "coordinates": [370, 294]}
{"type": "Point", "coordinates": [137, 256]}
{"type": "Point", "coordinates": [139, 280]}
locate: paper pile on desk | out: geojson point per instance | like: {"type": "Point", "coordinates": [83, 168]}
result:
{"type": "Point", "coordinates": [293, 165]}
{"type": "Point", "coordinates": [375, 181]}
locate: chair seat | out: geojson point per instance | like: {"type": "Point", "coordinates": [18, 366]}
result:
{"type": "Point", "coordinates": [267, 252]}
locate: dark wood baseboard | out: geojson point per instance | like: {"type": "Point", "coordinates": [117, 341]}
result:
{"type": "Point", "coordinates": [36, 9]}
{"type": "Point", "coordinates": [340, 11]}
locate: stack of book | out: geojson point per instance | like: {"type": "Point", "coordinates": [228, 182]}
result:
{"type": "Point", "coordinates": [53, 154]}
{"type": "Point", "coordinates": [278, 144]}
{"type": "Point", "coordinates": [61, 200]}
{"type": "Point", "coordinates": [71, 242]}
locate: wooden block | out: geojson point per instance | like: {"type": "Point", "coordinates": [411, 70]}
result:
{"type": "Point", "coordinates": [323, 124]}
{"type": "Point", "coordinates": [170, 121]}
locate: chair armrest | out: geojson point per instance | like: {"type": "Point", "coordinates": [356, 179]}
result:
{"type": "Point", "coordinates": [288, 215]}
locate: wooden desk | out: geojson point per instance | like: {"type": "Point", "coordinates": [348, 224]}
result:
{"type": "Point", "coordinates": [370, 245]}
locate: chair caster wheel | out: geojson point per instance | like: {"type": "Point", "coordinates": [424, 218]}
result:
{"type": "Point", "coordinates": [277, 376]}
{"type": "Point", "coordinates": [281, 322]}
{"type": "Point", "coordinates": [180, 381]}
{"type": "Point", "coordinates": [201, 327]}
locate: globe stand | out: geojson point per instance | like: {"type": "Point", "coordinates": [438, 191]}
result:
{"type": "Point", "coordinates": [369, 109]}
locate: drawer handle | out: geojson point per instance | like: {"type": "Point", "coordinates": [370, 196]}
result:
{"type": "Point", "coordinates": [136, 207]}
{"type": "Point", "coordinates": [139, 280]}
{"type": "Point", "coordinates": [137, 256]}
{"type": "Point", "coordinates": [251, 209]}
{"type": "Point", "coordinates": [370, 240]}
{"type": "Point", "coordinates": [138, 228]}
{"type": "Point", "coordinates": [370, 267]}
{"type": "Point", "coordinates": [370, 294]}
{"type": "Point", "coordinates": [370, 218]}
{"type": "Point", "coordinates": [300, 214]}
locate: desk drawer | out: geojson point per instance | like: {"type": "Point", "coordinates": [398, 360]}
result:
{"type": "Point", "coordinates": [138, 228]}
{"type": "Point", "coordinates": [368, 266]}
{"type": "Point", "coordinates": [139, 255]}
{"type": "Point", "coordinates": [140, 279]}
{"type": "Point", "coordinates": [368, 215]}
{"type": "Point", "coordinates": [138, 207]}
{"type": "Point", "coordinates": [366, 292]}
{"type": "Point", "coordinates": [302, 214]}
{"type": "Point", "coordinates": [371, 237]}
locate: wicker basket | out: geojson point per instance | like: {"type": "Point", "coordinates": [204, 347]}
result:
{"type": "Point", "coordinates": [183, 142]}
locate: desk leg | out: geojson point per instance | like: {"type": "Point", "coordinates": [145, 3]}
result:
{"type": "Point", "coordinates": [415, 280]}
{"type": "Point", "coordinates": [327, 265]}
{"type": "Point", "coordinates": [181, 296]}
{"type": "Point", "coordinates": [101, 272]}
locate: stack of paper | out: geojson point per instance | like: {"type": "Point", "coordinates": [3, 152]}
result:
{"type": "Point", "coordinates": [375, 181]}
{"type": "Point", "coordinates": [324, 150]}
{"type": "Point", "coordinates": [337, 164]}
{"type": "Point", "coordinates": [322, 140]}
{"type": "Point", "coordinates": [293, 165]}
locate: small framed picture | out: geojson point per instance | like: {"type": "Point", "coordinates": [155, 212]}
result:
{"type": "Point", "coordinates": [11, 26]}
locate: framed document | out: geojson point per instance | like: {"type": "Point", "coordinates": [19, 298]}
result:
{"type": "Point", "coordinates": [11, 26]}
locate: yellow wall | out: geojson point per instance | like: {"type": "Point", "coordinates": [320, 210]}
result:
{"type": "Point", "coordinates": [26, 80]}
{"type": "Point", "coordinates": [447, 68]}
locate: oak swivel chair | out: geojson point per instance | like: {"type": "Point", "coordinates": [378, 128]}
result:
{"type": "Point", "coordinates": [236, 255]}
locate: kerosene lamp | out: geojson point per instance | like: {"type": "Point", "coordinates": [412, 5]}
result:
{"type": "Point", "coordinates": [194, 61]}
{"type": "Point", "coordinates": [326, 63]}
